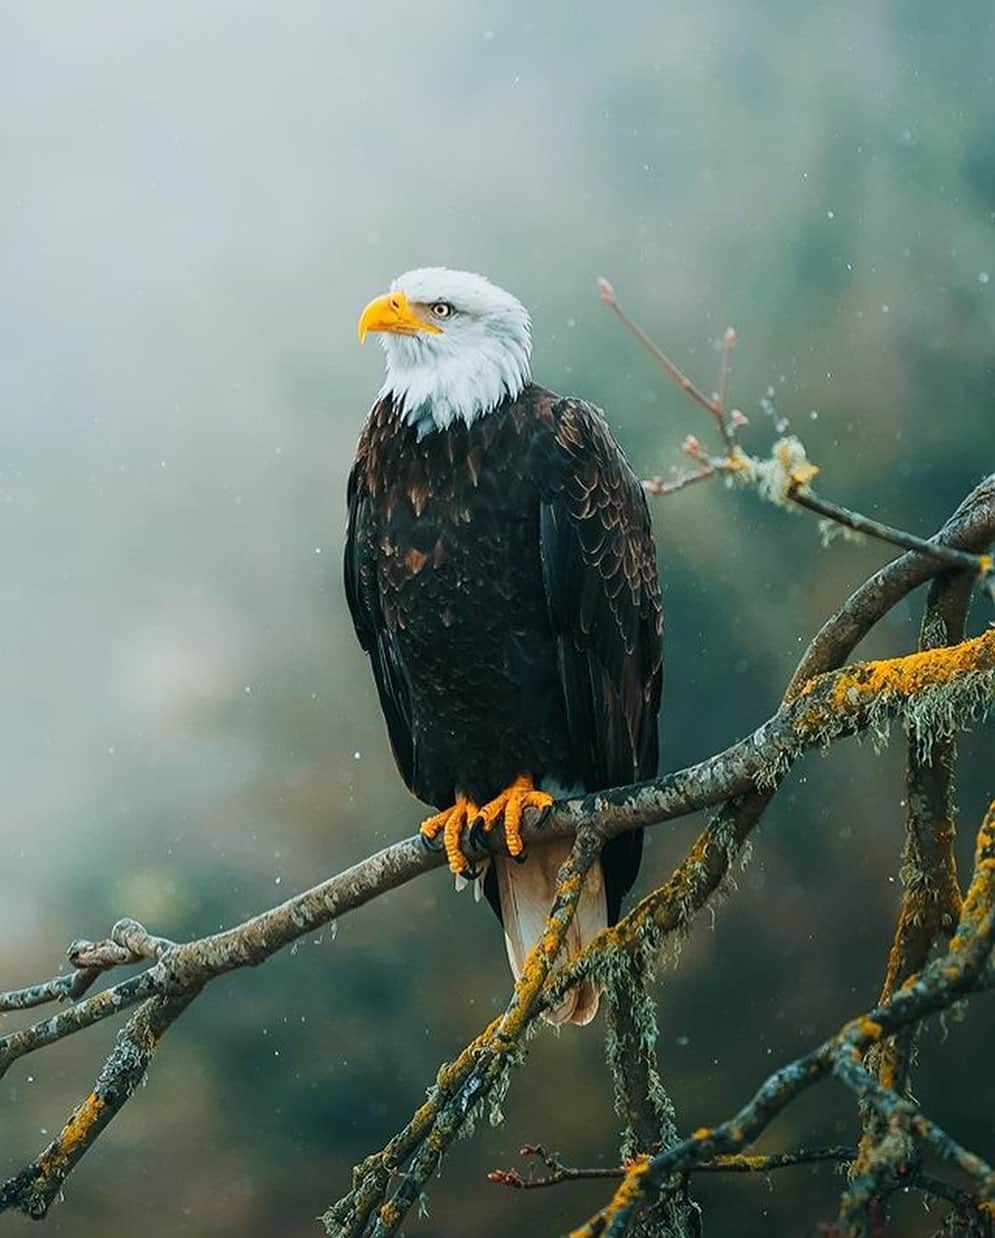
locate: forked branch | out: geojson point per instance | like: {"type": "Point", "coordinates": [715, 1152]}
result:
{"type": "Point", "coordinates": [931, 693]}
{"type": "Point", "coordinates": [786, 477]}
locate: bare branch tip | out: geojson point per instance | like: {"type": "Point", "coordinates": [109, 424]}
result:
{"type": "Point", "coordinates": [606, 291]}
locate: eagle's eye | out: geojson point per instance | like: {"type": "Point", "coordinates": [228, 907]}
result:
{"type": "Point", "coordinates": [441, 309]}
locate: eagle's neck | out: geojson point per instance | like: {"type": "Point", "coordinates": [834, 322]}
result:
{"type": "Point", "coordinates": [434, 386]}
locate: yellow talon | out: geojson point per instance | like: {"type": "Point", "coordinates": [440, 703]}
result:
{"type": "Point", "coordinates": [510, 805]}
{"type": "Point", "coordinates": [450, 824]}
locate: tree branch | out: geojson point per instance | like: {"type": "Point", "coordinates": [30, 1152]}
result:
{"type": "Point", "coordinates": [805, 497]}
{"type": "Point", "coordinates": [930, 906]}
{"type": "Point", "coordinates": [37, 1185]}
{"type": "Point", "coordinates": [734, 1164]}
{"type": "Point", "coordinates": [931, 692]}
{"type": "Point", "coordinates": [966, 968]}
{"type": "Point", "coordinates": [785, 477]}
{"type": "Point", "coordinates": [829, 707]}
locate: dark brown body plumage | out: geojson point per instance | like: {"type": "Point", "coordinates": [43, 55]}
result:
{"type": "Point", "coordinates": [503, 580]}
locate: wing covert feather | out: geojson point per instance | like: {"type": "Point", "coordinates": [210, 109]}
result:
{"type": "Point", "coordinates": [603, 593]}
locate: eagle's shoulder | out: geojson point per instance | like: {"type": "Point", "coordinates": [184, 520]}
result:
{"type": "Point", "coordinates": [376, 438]}
{"type": "Point", "coordinates": [575, 427]}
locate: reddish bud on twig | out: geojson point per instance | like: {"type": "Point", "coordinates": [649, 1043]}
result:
{"type": "Point", "coordinates": [505, 1177]}
{"type": "Point", "coordinates": [738, 418]}
{"type": "Point", "coordinates": [605, 291]}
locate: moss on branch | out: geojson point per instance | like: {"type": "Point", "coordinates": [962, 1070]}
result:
{"type": "Point", "coordinates": [931, 693]}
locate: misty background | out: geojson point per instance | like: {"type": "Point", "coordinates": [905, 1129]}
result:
{"type": "Point", "coordinates": [196, 203]}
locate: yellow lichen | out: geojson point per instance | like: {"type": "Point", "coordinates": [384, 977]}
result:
{"type": "Point", "coordinates": [908, 675]}
{"type": "Point", "coordinates": [870, 1029]}
{"type": "Point", "coordinates": [981, 893]}
{"type": "Point", "coordinates": [803, 474]}
{"type": "Point", "coordinates": [628, 1193]}
{"type": "Point", "coordinates": [634, 1162]}
{"type": "Point", "coordinates": [742, 1160]}
{"type": "Point", "coordinates": [631, 1188]}
{"type": "Point", "coordinates": [75, 1132]}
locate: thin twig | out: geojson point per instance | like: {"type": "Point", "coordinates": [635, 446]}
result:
{"type": "Point", "coordinates": [738, 463]}
{"type": "Point", "coordinates": [807, 498]}
{"type": "Point", "coordinates": [106, 1004]}
{"type": "Point", "coordinates": [722, 1165]}
{"type": "Point", "coordinates": [673, 372]}
{"type": "Point", "coordinates": [129, 942]}
{"type": "Point", "coordinates": [658, 487]}
{"type": "Point", "coordinates": [725, 370]}
{"type": "Point", "coordinates": [69, 986]}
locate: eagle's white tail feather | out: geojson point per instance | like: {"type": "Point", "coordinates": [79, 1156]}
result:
{"type": "Point", "coordinates": [527, 891]}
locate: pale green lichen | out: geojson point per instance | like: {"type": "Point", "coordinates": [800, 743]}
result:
{"type": "Point", "coordinates": [939, 712]}
{"type": "Point", "coordinates": [776, 477]}
{"type": "Point", "coordinates": [629, 999]}
{"type": "Point", "coordinates": [495, 1101]}
{"type": "Point", "coordinates": [832, 531]}
{"type": "Point", "coordinates": [932, 695]}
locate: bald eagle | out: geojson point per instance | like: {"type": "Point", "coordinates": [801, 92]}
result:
{"type": "Point", "coordinates": [501, 575]}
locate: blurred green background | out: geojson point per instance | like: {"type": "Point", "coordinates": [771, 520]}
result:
{"type": "Point", "coordinates": [196, 203]}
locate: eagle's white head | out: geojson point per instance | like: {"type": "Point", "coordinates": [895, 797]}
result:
{"type": "Point", "coordinates": [456, 345]}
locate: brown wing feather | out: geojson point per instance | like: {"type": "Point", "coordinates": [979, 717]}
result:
{"type": "Point", "coordinates": [603, 593]}
{"type": "Point", "coordinates": [366, 603]}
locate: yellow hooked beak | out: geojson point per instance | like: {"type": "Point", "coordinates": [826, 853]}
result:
{"type": "Point", "coordinates": [391, 312]}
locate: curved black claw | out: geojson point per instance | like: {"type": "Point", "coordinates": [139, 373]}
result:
{"type": "Point", "coordinates": [544, 815]}
{"type": "Point", "coordinates": [479, 838]}
{"type": "Point", "coordinates": [522, 856]}
{"type": "Point", "coordinates": [470, 873]}
{"type": "Point", "coordinates": [435, 843]}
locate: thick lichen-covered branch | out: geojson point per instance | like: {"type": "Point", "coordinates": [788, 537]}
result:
{"type": "Point", "coordinates": [38, 1184]}
{"type": "Point", "coordinates": [861, 696]}
{"type": "Point", "coordinates": [971, 527]}
{"type": "Point", "coordinates": [832, 705]}
{"type": "Point", "coordinates": [966, 968]}
{"type": "Point", "coordinates": [641, 1100]}
{"type": "Point", "coordinates": [461, 1092]}
{"type": "Point", "coordinates": [930, 906]}
{"type": "Point", "coordinates": [931, 697]}
{"type": "Point", "coordinates": [932, 691]}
